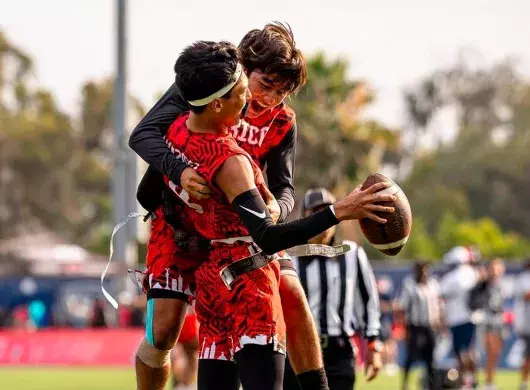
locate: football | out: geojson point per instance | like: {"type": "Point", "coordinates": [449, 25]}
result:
{"type": "Point", "coordinates": [391, 237]}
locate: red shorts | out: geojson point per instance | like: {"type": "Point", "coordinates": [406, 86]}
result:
{"type": "Point", "coordinates": [249, 313]}
{"type": "Point", "coordinates": [190, 329]}
{"type": "Point", "coordinates": [170, 270]}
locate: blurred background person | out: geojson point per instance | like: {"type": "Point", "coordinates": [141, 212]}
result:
{"type": "Point", "coordinates": [98, 317]}
{"type": "Point", "coordinates": [455, 287]}
{"type": "Point", "coordinates": [334, 287]}
{"type": "Point", "coordinates": [493, 319]}
{"type": "Point", "coordinates": [522, 319]}
{"type": "Point", "coordinates": [185, 355]}
{"type": "Point", "coordinates": [420, 307]}
{"type": "Point", "coordinates": [390, 348]}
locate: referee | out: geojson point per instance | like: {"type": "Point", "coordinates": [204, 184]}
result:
{"type": "Point", "coordinates": [419, 302]}
{"type": "Point", "coordinates": [334, 286]}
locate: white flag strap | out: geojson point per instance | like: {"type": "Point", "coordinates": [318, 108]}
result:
{"type": "Point", "coordinates": [118, 226]}
{"type": "Point", "coordinates": [318, 250]}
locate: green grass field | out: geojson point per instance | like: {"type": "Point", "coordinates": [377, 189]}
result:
{"type": "Point", "coordinates": [123, 379]}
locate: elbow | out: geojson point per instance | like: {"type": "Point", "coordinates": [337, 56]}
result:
{"type": "Point", "coordinates": [133, 141]}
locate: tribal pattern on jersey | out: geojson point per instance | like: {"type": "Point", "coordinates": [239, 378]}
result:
{"type": "Point", "coordinates": [250, 312]}
{"type": "Point", "coordinates": [212, 218]}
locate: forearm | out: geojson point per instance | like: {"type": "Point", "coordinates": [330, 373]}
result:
{"type": "Point", "coordinates": [280, 173]}
{"type": "Point", "coordinates": [151, 147]}
{"type": "Point", "coordinates": [285, 198]}
{"type": "Point", "coordinates": [272, 238]}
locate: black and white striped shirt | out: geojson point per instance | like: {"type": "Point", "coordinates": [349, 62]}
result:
{"type": "Point", "coordinates": [421, 302]}
{"type": "Point", "coordinates": [335, 287]}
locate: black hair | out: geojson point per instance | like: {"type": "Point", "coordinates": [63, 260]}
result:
{"type": "Point", "coordinates": [203, 68]}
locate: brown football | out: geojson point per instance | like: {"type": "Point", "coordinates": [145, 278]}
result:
{"type": "Point", "coordinates": [388, 238]}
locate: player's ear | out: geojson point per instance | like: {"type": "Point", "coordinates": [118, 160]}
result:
{"type": "Point", "coordinates": [217, 105]}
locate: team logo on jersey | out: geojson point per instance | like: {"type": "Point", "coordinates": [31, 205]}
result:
{"type": "Point", "coordinates": [180, 155]}
{"type": "Point", "coordinates": [259, 215]}
{"type": "Point", "coordinates": [245, 132]}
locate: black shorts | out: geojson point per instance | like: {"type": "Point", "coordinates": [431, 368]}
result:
{"type": "Point", "coordinates": [463, 337]}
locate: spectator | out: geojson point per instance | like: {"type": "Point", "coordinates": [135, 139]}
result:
{"type": "Point", "coordinates": [455, 288]}
{"type": "Point", "coordinates": [494, 319]}
{"type": "Point", "coordinates": [98, 319]}
{"type": "Point", "coordinates": [419, 302]}
{"type": "Point", "coordinates": [389, 354]}
{"type": "Point", "coordinates": [522, 319]}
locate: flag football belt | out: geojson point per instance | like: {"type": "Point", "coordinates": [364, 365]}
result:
{"type": "Point", "coordinates": [231, 273]}
{"type": "Point", "coordinates": [234, 271]}
{"type": "Point", "coordinates": [193, 243]}
{"type": "Point", "coordinates": [258, 259]}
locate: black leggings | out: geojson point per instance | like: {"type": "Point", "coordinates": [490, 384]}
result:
{"type": "Point", "coordinates": [420, 347]}
{"type": "Point", "coordinates": [258, 367]}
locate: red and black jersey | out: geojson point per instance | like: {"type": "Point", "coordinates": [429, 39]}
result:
{"type": "Point", "coordinates": [252, 134]}
{"type": "Point", "coordinates": [207, 153]}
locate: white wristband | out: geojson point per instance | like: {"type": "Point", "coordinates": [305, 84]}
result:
{"type": "Point", "coordinates": [333, 210]}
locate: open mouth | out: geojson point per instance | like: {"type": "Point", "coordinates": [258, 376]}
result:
{"type": "Point", "coordinates": [256, 107]}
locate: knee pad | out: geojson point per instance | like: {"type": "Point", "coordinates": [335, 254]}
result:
{"type": "Point", "coordinates": [147, 352]}
{"type": "Point", "coordinates": [151, 356]}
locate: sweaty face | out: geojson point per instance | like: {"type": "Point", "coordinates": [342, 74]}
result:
{"type": "Point", "coordinates": [232, 107]}
{"type": "Point", "coordinates": [267, 92]}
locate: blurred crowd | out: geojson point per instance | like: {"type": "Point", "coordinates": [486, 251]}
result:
{"type": "Point", "coordinates": [469, 302]}
{"type": "Point", "coordinates": [78, 313]}
{"type": "Point", "coordinates": [465, 299]}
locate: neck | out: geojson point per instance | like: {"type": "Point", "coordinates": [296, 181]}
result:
{"type": "Point", "coordinates": [205, 124]}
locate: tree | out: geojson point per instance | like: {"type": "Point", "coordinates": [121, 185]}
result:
{"type": "Point", "coordinates": [54, 168]}
{"type": "Point", "coordinates": [335, 145]}
{"type": "Point", "coordinates": [482, 172]}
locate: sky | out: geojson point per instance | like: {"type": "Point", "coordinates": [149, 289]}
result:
{"type": "Point", "coordinates": [390, 44]}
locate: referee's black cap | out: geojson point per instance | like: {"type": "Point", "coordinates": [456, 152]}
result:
{"type": "Point", "coordinates": [316, 197]}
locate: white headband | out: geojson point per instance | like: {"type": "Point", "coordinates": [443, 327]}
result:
{"type": "Point", "coordinates": [221, 92]}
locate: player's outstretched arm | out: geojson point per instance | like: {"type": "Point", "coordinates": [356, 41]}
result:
{"type": "Point", "coordinates": [236, 179]}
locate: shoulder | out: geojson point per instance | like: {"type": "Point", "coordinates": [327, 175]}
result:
{"type": "Point", "coordinates": [284, 117]}
{"type": "Point", "coordinates": [177, 126]}
{"type": "Point", "coordinates": [408, 282]}
{"type": "Point", "coordinates": [286, 113]}
{"type": "Point", "coordinates": [354, 251]}
{"type": "Point", "coordinates": [220, 146]}
{"type": "Point", "coordinates": [467, 271]}
{"type": "Point", "coordinates": [353, 245]}
{"type": "Point", "coordinates": [433, 284]}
